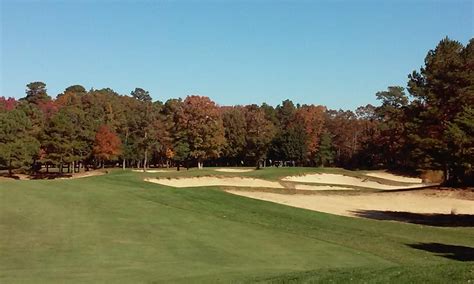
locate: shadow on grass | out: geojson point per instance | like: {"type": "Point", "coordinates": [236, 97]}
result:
{"type": "Point", "coordinates": [440, 220]}
{"type": "Point", "coordinates": [43, 175]}
{"type": "Point", "coordinates": [460, 253]}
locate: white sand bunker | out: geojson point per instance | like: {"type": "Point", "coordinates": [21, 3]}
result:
{"type": "Point", "coordinates": [345, 180]}
{"type": "Point", "coordinates": [320, 187]}
{"type": "Point", "coordinates": [392, 177]}
{"type": "Point", "coordinates": [230, 170]}
{"type": "Point", "coordinates": [351, 205]}
{"type": "Point", "coordinates": [150, 171]}
{"type": "Point", "coordinates": [216, 181]}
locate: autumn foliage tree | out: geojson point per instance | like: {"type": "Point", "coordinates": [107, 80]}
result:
{"type": "Point", "coordinates": [259, 134]}
{"type": "Point", "coordinates": [235, 132]}
{"type": "Point", "coordinates": [426, 126]}
{"type": "Point", "coordinates": [204, 130]}
{"type": "Point", "coordinates": [7, 103]}
{"type": "Point", "coordinates": [107, 144]}
{"type": "Point", "coordinates": [311, 118]}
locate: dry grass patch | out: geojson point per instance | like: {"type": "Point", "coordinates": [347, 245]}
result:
{"type": "Point", "coordinates": [150, 171]}
{"type": "Point", "coordinates": [230, 170]}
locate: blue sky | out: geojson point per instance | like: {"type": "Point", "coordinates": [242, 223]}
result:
{"type": "Point", "coordinates": [335, 53]}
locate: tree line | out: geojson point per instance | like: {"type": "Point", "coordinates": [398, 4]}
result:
{"type": "Point", "coordinates": [428, 125]}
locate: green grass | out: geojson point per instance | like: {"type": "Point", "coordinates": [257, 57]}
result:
{"type": "Point", "coordinates": [117, 228]}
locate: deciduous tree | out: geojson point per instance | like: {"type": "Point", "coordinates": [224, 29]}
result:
{"type": "Point", "coordinates": [259, 134]}
{"type": "Point", "coordinates": [205, 132]}
{"type": "Point", "coordinates": [107, 144]}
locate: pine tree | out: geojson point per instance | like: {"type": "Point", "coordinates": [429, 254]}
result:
{"type": "Point", "coordinates": [18, 146]}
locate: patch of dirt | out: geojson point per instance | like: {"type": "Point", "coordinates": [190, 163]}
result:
{"type": "Point", "coordinates": [151, 171]}
{"type": "Point", "coordinates": [84, 174]}
{"type": "Point", "coordinates": [15, 177]}
{"type": "Point", "coordinates": [215, 181]}
{"type": "Point", "coordinates": [393, 177]}
{"type": "Point", "coordinates": [230, 170]}
{"type": "Point", "coordinates": [353, 205]}
{"type": "Point", "coordinates": [347, 180]}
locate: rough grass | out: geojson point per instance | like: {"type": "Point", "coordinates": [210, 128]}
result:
{"type": "Point", "coordinates": [117, 228]}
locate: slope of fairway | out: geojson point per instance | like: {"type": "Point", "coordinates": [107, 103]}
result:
{"type": "Point", "coordinates": [118, 228]}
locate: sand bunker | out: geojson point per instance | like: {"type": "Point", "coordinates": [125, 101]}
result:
{"type": "Point", "coordinates": [150, 171]}
{"type": "Point", "coordinates": [320, 187]}
{"type": "Point", "coordinates": [392, 177]}
{"type": "Point", "coordinates": [350, 205]}
{"type": "Point", "coordinates": [216, 181]}
{"type": "Point", "coordinates": [345, 180]}
{"type": "Point", "coordinates": [229, 170]}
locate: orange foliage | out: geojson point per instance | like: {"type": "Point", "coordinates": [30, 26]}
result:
{"type": "Point", "coordinates": [169, 153]}
{"type": "Point", "coordinates": [202, 120]}
{"type": "Point", "coordinates": [107, 144]}
{"type": "Point", "coordinates": [312, 118]}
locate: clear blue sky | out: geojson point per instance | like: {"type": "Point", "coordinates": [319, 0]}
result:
{"type": "Point", "coordinates": [335, 53]}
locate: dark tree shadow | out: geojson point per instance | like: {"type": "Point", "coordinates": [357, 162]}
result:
{"type": "Point", "coordinates": [50, 175]}
{"type": "Point", "coordinates": [440, 220]}
{"type": "Point", "coordinates": [41, 175]}
{"type": "Point", "coordinates": [421, 188]}
{"type": "Point", "coordinates": [460, 253]}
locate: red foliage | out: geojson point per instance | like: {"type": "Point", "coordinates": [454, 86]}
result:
{"type": "Point", "coordinates": [7, 104]}
{"type": "Point", "coordinates": [49, 108]}
{"type": "Point", "coordinates": [107, 144]}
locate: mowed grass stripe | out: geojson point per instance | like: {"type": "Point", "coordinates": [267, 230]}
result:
{"type": "Point", "coordinates": [186, 235]}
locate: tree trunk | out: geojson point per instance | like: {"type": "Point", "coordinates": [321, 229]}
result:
{"type": "Point", "coordinates": [146, 150]}
{"type": "Point", "coordinates": [124, 162]}
{"type": "Point", "coordinates": [10, 167]}
{"type": "Point", "coordinates": [61, 165]}
{"type": "Point", "coordinates": [200, 164]}
{"type": "Point", "coordinates": [47, 168]}
{"type": "Point", "coordinates": [447, 175]}
{"type": "Point", "coordinates": [145, 160]}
